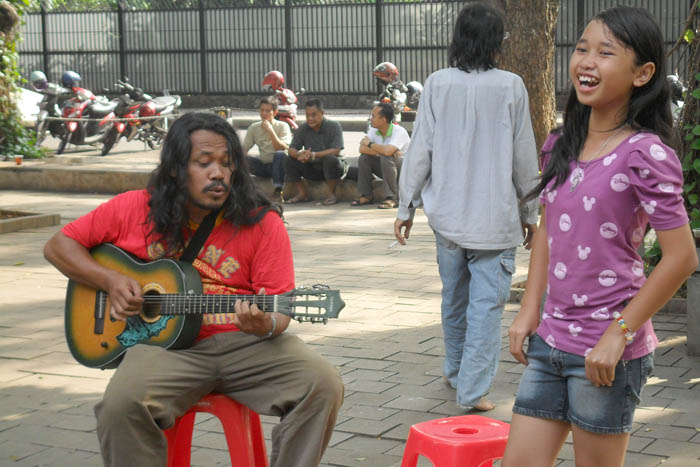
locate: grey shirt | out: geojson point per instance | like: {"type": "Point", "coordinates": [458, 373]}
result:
{"type": "Point", "coordinates": [472, 159]}
{"type": "Point", "coordinates": [328, 136]}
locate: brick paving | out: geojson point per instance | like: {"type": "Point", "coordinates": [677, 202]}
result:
{"type": "Point", "coordinates": [387, 345]}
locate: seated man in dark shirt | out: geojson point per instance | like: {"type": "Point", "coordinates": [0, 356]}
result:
{"type": "Point", "coordinates": [315, 153]}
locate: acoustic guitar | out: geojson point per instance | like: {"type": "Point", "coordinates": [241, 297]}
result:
{"type": "Point", "coordinates": [172, 310]}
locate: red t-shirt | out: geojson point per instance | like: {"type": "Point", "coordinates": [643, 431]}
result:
{"type": "Point", "coordinates": [234, 259]}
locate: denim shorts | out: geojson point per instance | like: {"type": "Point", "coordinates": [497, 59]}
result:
{"type": "Point", "coordinates": [554, 386]}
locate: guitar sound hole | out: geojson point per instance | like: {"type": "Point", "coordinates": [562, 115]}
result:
{"type": "Point", "coordinates": [150, 311]}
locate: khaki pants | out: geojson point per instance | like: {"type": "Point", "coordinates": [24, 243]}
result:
{"type": "Point", "coordinates": [280, 376]}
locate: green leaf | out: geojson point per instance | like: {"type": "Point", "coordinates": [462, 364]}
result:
{"type": "Point", "coordinates": [696, 130]}
{"type": "Point", "coordinates": [695, 145]}
{"type": "Point", "coordinates": [695, 224]}
{"type": "Point", "coordinates": [693, 199]}
{"type": "Point", "coordinates": [688, 187]}
{"type": "Point", "coordinates": [689, 35]}
{"type": "Point", "coordinates": [696, 165]}
{"type": "Point", "coordinates": [696, 93]}
{"type": "Point", "coordinates": [695, 213]}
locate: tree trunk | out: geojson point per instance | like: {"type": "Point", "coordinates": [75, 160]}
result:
{"type": "Point", "coordinates": [529, 52]}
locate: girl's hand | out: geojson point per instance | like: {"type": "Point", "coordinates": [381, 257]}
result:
{"type": "Point", "coordinates": [602, 360]}
{"type": "Point", "coordinates": [524, 325]}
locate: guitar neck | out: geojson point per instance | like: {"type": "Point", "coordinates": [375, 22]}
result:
{"type": "Point", "coordinates": [186, 304]}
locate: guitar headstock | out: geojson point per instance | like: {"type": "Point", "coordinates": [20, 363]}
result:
{"type": "Point", "coordinates": [316, 304]}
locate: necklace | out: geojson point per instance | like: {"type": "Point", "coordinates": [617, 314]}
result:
{"type": "Point", "coordinates": [578, 172]}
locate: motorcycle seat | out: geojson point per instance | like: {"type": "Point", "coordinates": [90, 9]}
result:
{"type": "Point", "coordinates": [163, 102]}
{"type": "Point", "coordinates": [103, 108]}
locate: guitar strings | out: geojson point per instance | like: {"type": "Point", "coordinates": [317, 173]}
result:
{"type": "Point", "coordinates": [201, 303]}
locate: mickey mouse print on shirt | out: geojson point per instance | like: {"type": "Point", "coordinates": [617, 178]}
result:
{"type": "Point", "coordinates": [591, 229]}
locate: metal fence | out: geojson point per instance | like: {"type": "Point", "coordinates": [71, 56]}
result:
{"type": "Point", "coordinates": [226, 46]}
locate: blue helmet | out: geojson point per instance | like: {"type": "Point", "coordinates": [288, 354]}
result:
{"type": "Point", "coordinates": [70, 79]}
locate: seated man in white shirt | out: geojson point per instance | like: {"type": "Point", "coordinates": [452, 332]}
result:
{"type": "Point", "coordinates": [272, 138]}
{"type": "Point", "coordinates": [381, 150]}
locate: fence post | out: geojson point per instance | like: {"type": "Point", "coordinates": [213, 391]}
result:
{"type": "Point", "coordinates": [203, 48]}
{"type": "Point", "coordinates": [378, 26]}
{"type": "Point", "coordinates": [45, 42]}
{"type": "Point", "coordinates": [580, 19]}
{"type": "Point", "coordinates": [122, 39]}
{"type": "Point", "coordinates": [378, 36]}
{"type": "Point", "coordinates": [288, 63]}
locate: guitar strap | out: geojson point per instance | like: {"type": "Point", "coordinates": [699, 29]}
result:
{"type": "Point", "coordinates": [199, 237]}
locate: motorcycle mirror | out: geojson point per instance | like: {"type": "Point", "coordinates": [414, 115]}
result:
{"type": "Point", "coordinates": [125, 79]}
{"type": "Point", "coordinates": [301, 91]}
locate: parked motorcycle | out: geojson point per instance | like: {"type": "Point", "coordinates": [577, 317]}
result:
{"type": "Point", "coordinates": [88, 111]}
{"type": "Point", "coordinates": [134, 103]}
{"type": "Point", "coordinates": [54, 96]}
{"type": "Point", "coordinates": [403, 97]}
{"type": "Point", "coordinates": [287, 107]}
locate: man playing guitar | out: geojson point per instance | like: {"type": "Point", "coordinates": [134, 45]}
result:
{"type": "Point", "coordinates": [245, 355]}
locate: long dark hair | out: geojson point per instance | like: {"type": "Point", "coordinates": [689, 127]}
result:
{"type": "Point", "coordinates": [648, 108]}
{"type": "Point", "coordinates": [477, 37]}
{"type": "Point", "coordinates": [168, 183]}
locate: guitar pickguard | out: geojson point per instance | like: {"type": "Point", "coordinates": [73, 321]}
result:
{"type": "Point", "coordinates": [137, 330]}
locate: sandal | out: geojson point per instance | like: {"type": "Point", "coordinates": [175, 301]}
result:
{"type": "Point", "coordinates": [296, 199]}
{"type": "Point", "coordinates": [361, 201]}
{"type": "Point", "coordinates": [388, 204]}
{"type": "Point", "coordinates": [331, 200]}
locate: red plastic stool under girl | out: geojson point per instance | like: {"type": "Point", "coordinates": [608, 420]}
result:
{"type": "Point", "coordinates": [465, 441]}
{"type": "Point", "coordinates": [244, 435]}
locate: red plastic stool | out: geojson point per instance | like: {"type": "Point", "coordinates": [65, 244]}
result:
{"type": "Point", "coordinates": [466, 441]}
{"type": "Point", "coordinates": [244, 435]}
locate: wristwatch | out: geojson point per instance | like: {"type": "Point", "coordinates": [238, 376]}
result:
{"type": "Point", "coordinates": [272, 329]}
{"type": "Point", "coordinates": [369, 145]}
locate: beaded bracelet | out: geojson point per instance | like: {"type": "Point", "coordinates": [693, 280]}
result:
{"type": "Point", "coordinates": [629, 337]}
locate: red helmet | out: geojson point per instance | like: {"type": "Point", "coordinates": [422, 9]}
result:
{"type": "Point", "coordinates": [386, 72]}
{"type": "Point", "coordinates": [273, 79]}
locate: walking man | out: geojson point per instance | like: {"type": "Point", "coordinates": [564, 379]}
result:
{"type": "Point", "coordinates": [472, 159]}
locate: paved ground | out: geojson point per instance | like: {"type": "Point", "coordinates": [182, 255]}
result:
{"type": "Point", "coordinates": [387, 344]}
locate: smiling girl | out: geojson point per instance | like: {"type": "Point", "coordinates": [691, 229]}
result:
{"type": "Point", "coordinates": [608, 172]}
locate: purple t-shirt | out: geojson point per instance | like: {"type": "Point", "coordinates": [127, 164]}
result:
{"type": "Point", "coordinates": [594, 232]}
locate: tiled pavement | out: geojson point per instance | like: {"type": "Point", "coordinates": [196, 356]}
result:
{"type": "Point", "coordinates": [387, 344]}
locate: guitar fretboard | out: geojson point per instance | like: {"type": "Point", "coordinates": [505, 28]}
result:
{"type": "Point", "coordinates": [181, 304]}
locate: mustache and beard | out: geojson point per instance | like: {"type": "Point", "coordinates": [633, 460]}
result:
{"type": "Point", "coordinates": [203, 204]}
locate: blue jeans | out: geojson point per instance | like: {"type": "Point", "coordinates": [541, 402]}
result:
{"type": "Point", "coordinates": [475, 288]}
{"type": "Point", "coordinates": [274, 169]}
{"type": "Point", "coordinates": [554, 386]}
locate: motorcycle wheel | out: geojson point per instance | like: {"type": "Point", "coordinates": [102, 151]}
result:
{"type": "Point", "coordinates": [111, 138]}
{"type": "Point", "coordinates": [64, 142]}
{"type": "Point", "coordinates": [156, 136]}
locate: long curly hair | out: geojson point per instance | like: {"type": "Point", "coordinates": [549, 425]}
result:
{"type": "Point", "coordinates": [648, 108]}
{"type": "Point", "coordinates": [167, 186]}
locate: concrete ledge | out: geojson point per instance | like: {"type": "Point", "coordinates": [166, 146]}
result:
{"type": "Point", "coordinates": [26, 220]}
{"type": "Point", "coordinates": [89, 180]}
{"type": "Point", "coordinates": [70, 179]}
